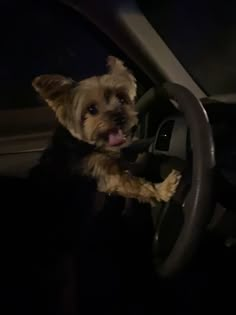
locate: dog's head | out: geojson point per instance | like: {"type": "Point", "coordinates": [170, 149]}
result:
{"type": "Point", "coordinates": [99, 110]}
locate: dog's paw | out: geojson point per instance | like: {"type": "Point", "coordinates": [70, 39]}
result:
{"type": "Point", "coordinates": [168, 187]}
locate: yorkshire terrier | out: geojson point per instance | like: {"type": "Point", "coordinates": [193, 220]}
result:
{"type": "Point", "coordinates": [99, 114]}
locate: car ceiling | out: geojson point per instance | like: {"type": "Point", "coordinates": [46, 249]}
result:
{"type": "Point", "coordinates": [202, 35]}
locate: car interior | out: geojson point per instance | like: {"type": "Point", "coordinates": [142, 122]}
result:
{"type": "Point", "coordinates": [180, 257]}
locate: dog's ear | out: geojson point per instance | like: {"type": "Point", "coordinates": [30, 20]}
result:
{"type": "Point", "coordinates": [117, 67]}
{"type": "Point", "coordinates": [56, 91]}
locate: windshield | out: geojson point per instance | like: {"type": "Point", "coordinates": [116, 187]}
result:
{"type": "Point", "coordinates": [202, 35]}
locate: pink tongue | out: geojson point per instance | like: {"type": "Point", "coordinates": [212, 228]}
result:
{"type": "Point", "coordinates": [116, 138]}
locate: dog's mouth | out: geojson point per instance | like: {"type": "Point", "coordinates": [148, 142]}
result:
{"type": "Point", "coordinates": [116, 137]}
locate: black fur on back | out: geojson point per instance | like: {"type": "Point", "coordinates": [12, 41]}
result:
{"type": "Point", "coordinates": [74, 241]}
{"type": "Point", "coordinates": [61, 160]}
{"type": "Point", "coordinates": [87, 258]}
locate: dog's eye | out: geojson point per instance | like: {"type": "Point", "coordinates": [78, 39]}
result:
{"type": "Point", "coordinates": [121, 98]}
{"type": "Point", "coordinates": [92, 109]}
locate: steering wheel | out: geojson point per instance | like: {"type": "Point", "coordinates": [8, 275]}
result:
{"type": "Point", "coordinates": [187, 214]}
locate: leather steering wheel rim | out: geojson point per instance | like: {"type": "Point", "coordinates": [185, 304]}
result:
{"type": "Point", "coordinates": [198, 203]}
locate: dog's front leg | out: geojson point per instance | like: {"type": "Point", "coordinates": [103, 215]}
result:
{"type": "Point", "coordinates": [112, 180]}
{"type": "Point", "coordinates": [130, 186]}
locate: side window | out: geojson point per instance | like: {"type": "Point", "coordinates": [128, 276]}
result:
{"type": "Point", "coordinates": [45, 37]}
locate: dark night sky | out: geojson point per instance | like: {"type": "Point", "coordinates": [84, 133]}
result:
{"type": "Point", "coordinates": [43, 37]}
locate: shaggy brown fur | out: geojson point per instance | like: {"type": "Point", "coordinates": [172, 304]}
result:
{"type": "Point", "coordinates": [100, 111]}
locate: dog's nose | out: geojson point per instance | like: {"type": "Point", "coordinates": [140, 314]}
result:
{"type": "Point", "coordinates": [119, 119]}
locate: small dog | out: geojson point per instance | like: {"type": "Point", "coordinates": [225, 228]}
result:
{"type": "Point", "coordinates": [99, 113]}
